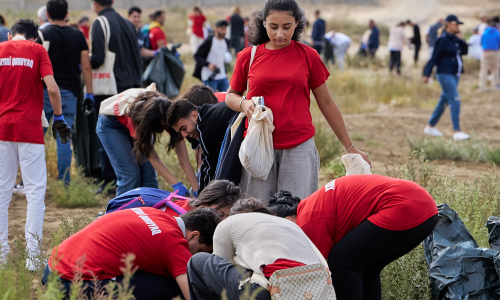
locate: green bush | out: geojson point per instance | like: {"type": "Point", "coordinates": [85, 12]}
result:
{"type": "Point", "coordinates": [327, 144]}
{"type": "Point", "coordinates": [335, 167]}
{"type": "Point", "coordinates": [494, 156]}
{"type": "Point", "coordinates": [447, 148]}
{"type": "Point", "coordinates": [81, 191]}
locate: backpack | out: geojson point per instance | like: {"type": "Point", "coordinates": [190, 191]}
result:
{"type": "Point", "coordinates": [145, 197]}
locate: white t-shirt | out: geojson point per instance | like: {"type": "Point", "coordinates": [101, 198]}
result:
{"type": "Point", "coordinates": [338, 39]}
{"type": "Point", "coordinates": [216, 56]}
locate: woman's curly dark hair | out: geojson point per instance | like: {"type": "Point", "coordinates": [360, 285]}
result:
{"type": "Point", "coordinates": [283, 204]}
{"type": "Point", "coordinates": [147, 112]}
{"type": "Point", "coordinates": [257, 33]}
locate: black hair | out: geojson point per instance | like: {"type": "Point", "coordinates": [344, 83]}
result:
{"type": "Point", "coordinates": [317, 12]}
{"type": "Point", "coordinates": [26, 27]}
{"type": "Point", "coordinates": [221, 23]}
{"type": "Point", "coordinates": [2, 20]}
{"type": "Point", "coordinates": [203, 220]}
{"type": "Point", "coordinates": [83, 19]}
{"type": "Point", "coordinates": [179, 109]}
{"type": "Point", "coordinates": [157, 14]}
{"type": "Point", "coordinates": [257, 33]}
{"type": "Point", "coordinates": [104, 3]}
{"type": "Point", "coordinates": [283, 204]}
{"type": "Point", "coordinates": [57, 9]}
{"type": "Point", "coordinates": [133, 9]}
{"type": "Point", "coordinates": [199, 94]}
{"type": "Point", "coordinates": [248, 206]}
{"type": "Point", "coordinates": [496, 19]}
{"type": "Point", "coordinates": [222, 193]}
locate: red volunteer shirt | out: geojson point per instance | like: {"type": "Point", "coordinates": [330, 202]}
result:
{"type": "Point", "coordinates": [284, 78]}
{"type": "Point", "coordinates": [335, 209]}
{"type": "Point", "coordinates": [198, 22]}
{"type": "Point", "coordinates": [23, 64]}
{"type": "Point", "coordinates": [156, 35]}
{"type": "Point", "coordinates": [127, 122]}
{"type": "Point", "coordinates": [153, 236]}
{"type": "Point", "coordinates": [280, 264]}
{"type": "Point", "coordinates": [182, 203]}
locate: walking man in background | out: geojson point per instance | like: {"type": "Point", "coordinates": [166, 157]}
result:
{"type": "Point", "coordinates": [68, 50]}
{"type": "Point", "coordinates": [415, 40]}
{"type": "Point", "coordinates": [43, 19]}
{"type": "Point", "coordinates": [211, 58]}
{"type": "Point", "coordinates": [237, 31]}
{"type": "Point", "coordinates": [22, 64]}
{"type": "Point", "coordinates": [373, 40]}
{"type": "Point", "coordinates": [157, 37]}
{"type": "Point", "coordinates": [431, 35]}
{"type": "Point", "coordinates": [318, 33]}
{"type": "Point", "coordinates": [127, 67]}
{"type": "Point", "coordinates": [490, 42]}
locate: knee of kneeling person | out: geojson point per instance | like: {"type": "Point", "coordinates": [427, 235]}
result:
{"type": "Point", "coordinates": [196, 263]}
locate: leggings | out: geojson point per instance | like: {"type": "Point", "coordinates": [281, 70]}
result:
{"type": "Point", "coordinates": [358, 258]}
{"type": "Point", "coordinates": [395, 61]}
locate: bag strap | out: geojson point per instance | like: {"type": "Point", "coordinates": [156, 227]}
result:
{"type": "Point", "coordinates": [168, 201]}
{"type": "Point", "coordinates": [40, 35]}
{"type": "Point", "coordinates": [130, 202]}
{"type": "Point", "coordinates": [252, 56]}
{"type": "Point", "coordinates": [107, 32]}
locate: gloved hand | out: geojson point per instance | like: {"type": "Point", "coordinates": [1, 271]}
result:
{"type": "Point", "coordinates": [156, 52]}
{"type": "Point", "coordinates": [195, 194]}
{"type": "Point", "coordinates": [183, 191]}
{"type": "Point", "coordinates": [88, 104]}
{"type": "Point", "coordinates": [59, 125]}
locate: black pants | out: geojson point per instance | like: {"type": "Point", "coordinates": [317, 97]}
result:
{"type": "Point", "coordinates": [147, 286]}
{"type": "Point", "coordinates": [107, 172]}
{"type": "Point", "coordinates": [209, 275]}
{"type": "Point", "coordinates": [417, 50]}
{"type": "Point", "coordinates": [318, 48]}
{"type": "Point", "coordinates": [395, 61]}
{"type": "Point", "coordinates": [358, 258]}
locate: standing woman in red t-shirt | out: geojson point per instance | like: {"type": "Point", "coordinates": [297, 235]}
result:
{"type": "Point", "coordinates": [196, 22]}
{"type": "Point", "coordinates": [361, 223]}
{"type": "Point", "coordinates": [284, 72]}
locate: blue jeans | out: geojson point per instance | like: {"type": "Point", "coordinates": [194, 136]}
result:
{"type": "Point", "coordinates": [64, 152]}
{"type": "Point", "coordinates": [118, 143]}
{"type": "Point", "coordinates": [450, 96]}
{"type": "Point", "coordinates": [220, 85]}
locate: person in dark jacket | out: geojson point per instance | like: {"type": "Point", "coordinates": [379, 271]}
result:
{"type": "Point", "coordinates": [237, 31]}
{"type": "Point", "coordinates": [318, 34]}
{"type": "Point", "coordinates": [416, 40]}
{"type": "Point", "coordinates": [431, 35]}
{"type": "Point", "coordinates": [127, 68]}
{"type": "Point", "coordinates": [373, 40]}
{"type": "Point", "coordinates": [211, 58]}
{"type": "Point", "coordinates": [447, 56]}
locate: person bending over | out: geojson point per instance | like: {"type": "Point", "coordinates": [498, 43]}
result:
{"type": "Point", "coordinates": [204, 127]}
{"type": "Point", "coordinates": [357, 215]}
{"type": "Point", "coordinates": [162, 246]}
{"type": "Point", "coordinates": [257, 242]}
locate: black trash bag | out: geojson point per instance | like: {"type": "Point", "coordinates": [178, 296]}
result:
{"type": "Point", "coordinates": [458, 268]}
{"type": "Point", "coordinates": [167, 71]}
{"type": "Point", "coordinates": [493, 225]}
{"type": "Point", "coordinates": [496, 294]}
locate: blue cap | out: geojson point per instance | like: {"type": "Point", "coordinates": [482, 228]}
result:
{"type": "Point", "coordinates": [453, 18]}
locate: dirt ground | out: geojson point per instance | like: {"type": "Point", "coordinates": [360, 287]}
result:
{"type": "Point", "coordinates": [383, 131]}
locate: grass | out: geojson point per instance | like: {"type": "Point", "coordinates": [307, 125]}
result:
{"type": "Point", "coordinates": [446, 148]}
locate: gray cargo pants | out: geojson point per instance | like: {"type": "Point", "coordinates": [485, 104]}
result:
{"type": "Point", "coordinates": [294, 170]}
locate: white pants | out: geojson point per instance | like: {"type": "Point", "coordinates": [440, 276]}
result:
{"type": "Point", "coordinates": [31, 157]}
{"type": "Point", "coordinates": [195, 42]}
{"type": "Point", "coordinates": [340, 52]}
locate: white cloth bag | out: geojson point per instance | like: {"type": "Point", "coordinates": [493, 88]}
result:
{"type": "Point", "coordinates": [355, 164]}
{"type": "Point", "coordinates": [257, 151]}
{"type": "Point", "coordinates": [118, 104]}
{"type": "Point", "coordinates": [103, 78]}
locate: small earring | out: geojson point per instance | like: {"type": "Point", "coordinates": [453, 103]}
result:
{"type": "Point", "coordinates": [264, 23]}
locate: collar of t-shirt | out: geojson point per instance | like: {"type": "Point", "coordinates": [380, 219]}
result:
{"type": "Point", "coordinates": [19, 38]}
{"type": "Point", "coordinates": [181, 224]}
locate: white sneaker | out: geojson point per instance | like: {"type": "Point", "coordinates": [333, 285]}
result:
{"type": "Point", "coordinates": [460, 136]}
{"type": "Point", "coordinates": [32, 263]}
{"type": "Point", "coordinates": [432, 131]}
{"type": "Point", "coordinates": [19, 188]}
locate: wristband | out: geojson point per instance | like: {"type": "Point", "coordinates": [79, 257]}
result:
{"type": "Point", "coordinates": [244, 98]}
{"type": "Point", "coordinates": [350, 148]}
{"type": "Point", "coordinates": [58, 118]}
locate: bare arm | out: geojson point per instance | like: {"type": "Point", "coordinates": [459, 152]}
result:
{"type": "Point", "coordinates": [233, 99]}
{"type": "Point", "coordinates": [147, 52]}
{"type": "Point", "coordinates": [183, 156]}
{"type": "Point", "coordinates": [161, 43]}
{"type": "Point", "coordinates": [182, 281]}
{"type": "Point", "coordinates": [86, 70]}
{"type": "Point", "coordinates": [54, 95]}
{"type": "Point", "coordinates": [161, 168]}
{"type": "Point", "coordinates": [332, 114]}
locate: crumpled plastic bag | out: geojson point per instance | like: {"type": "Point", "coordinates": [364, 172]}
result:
{"type": "Point", "coordinates": [493, 225]}
{"type": "Point", "coordinates": [458, 268]}
{"type": "Point", "coordinates": [355, 164]}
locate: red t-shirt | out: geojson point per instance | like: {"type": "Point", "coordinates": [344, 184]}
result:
{"type": "Point", "coordinates": [182, 203]}
{"type": "Point", "coordinates": [284, 78]}
{"type": "Point", "coordinates": [198, 22]}
{"type": "Point", "coordinates": [221, 96]}
{"type": "Point", "coordinates": [127, 122]}
{"type": "Point", "coordinates": [153, 236]}
{"type": "Point", "coordinates": [23, 64]}
{"type": "Point", "coordinates": [280, 264]}
{"type": "Point", "coordinates": [156, 35]}
{"type": "Point", "coordinates": [335, 209]}
{"type": "Point", "coordinates": [86, 30]}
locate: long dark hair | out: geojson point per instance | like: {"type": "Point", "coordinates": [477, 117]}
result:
{"type": "Point", "coordinates": [147, 112]}
{"type": "Point", "coordinates": [244, 206]}
{"type": "Point", "coordinates": [222, 193]}
{"type": "Point", "coordinates": [199, 94]}
{"type": "Point", "coordinates": [257, 33]}
{"type": "Point", "coordinates": [283, 204]}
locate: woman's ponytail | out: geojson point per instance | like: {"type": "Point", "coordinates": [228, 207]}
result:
{"type": "Point", "coordinates": [283, 204]}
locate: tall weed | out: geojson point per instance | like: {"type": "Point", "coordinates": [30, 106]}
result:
{"type": "Point", "coordinates": [443, 148]}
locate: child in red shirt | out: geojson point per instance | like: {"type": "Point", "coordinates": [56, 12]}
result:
{"type": "Point", "coordinates": [23, 66]}
{"type": "Point", "coordinates": [361, 223]}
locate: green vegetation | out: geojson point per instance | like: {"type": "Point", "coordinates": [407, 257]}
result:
{"type": "Point", "coordinates": [494, 156]}
{"type": "Point", "coordinates": [446, 148]}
